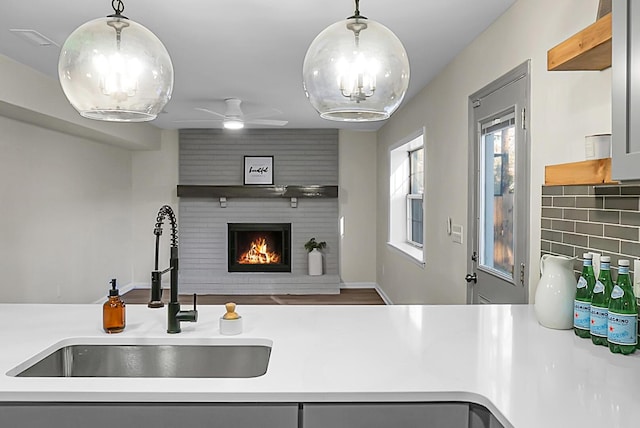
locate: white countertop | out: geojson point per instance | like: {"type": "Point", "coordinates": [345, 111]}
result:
{"type": "Point", "coordinates": [496, 356]}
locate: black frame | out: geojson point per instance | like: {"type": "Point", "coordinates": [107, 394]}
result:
{"type": "Point", "coordinates": [232, 250]}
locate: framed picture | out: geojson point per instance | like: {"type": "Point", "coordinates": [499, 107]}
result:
{"type": "Point", "coordinates": [258, 170]}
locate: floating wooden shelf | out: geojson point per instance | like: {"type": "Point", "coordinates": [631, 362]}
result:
{"type": "Point", "coordinates": [590, 49]}
{"type": "Point", "coordinates": [597, 171]}
{"type": "Point", "coordinates": [259, 191]}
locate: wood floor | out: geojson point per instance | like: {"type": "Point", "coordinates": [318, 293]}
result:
{"type": "Point", "coordinates": [353, 296]}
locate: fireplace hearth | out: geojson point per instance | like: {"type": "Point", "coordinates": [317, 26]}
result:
{"type": "Point", "coordinates": [259, 247]}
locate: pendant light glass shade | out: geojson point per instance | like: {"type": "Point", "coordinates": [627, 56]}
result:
{"type": "Point", "coordinates": [115, 69]}
{"type": "Point", "coordinates": [356, 70]}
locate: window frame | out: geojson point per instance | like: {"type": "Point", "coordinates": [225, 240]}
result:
{"type": "Point", "coordinates": [400, 199]}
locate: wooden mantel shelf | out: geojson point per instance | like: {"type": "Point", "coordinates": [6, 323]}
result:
{"type": "Point", "coordinates": [259, 191]}
{"type": "Point", "coordinates": [590, 49]}
{"type": "Point", "coordinates": [596, 171]}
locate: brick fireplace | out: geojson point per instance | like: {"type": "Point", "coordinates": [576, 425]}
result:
{"type": "Point", "coordinates": [213, 158]}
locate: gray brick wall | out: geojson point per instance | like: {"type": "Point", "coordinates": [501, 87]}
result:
{"type": "Point", "coordinates": [215, 157]}
{"type": "Point", "coordinates": [301, 156]}
{"type": "Point", "coordinates": [602, 219]}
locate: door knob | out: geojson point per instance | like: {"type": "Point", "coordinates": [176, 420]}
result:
{"type": "Point", "coordinates": [471, 277]}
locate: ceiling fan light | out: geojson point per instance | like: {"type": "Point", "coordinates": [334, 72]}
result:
{"type": "Point", "coordinates": [115, 69]}
{"type": "Point", "coordinates": [233, 124]}
{"type": "Point", "coordinates": [356, 70]}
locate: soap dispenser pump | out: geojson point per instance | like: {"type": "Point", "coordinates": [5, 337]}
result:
{"type": "Point", "coordinates": [113, 311]}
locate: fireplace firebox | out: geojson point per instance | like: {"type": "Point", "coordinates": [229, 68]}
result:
{"type": "Point", "coordinates": [259, 247]}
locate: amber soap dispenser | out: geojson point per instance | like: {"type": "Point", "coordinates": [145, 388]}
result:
{"type": "Point", "coordinates": [113, 311]}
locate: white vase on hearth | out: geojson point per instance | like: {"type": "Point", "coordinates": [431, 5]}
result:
{"type": "Point", "coordinates": [315, 262]}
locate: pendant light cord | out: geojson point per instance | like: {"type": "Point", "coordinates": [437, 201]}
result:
{"type": "Point", "coordinates": [356, 14]}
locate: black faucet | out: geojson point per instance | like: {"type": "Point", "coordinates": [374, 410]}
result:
{"type": "Point", "coordinates": [175, 315]}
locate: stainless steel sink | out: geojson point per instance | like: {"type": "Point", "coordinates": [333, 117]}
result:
{"type": "Point", "coordinates": [151, 360]}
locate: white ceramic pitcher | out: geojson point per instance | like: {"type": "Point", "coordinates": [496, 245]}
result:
{"type": "Point", "coordinates": [556, 292]}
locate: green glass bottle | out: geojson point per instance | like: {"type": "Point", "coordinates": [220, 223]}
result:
{"type": "Point", "coordinates": [600, 303]}
{"type": "Point", "coordinates": [623, 314]}
{"type": "Point", "coordinates": [638, 304]}
{"type": "Point", "coordinates": [636, 291]}
{"type": "Point", "coordinates": [582, 302]}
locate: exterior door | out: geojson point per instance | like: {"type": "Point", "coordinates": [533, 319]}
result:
{"type": "Point", "coordinates": [499, 191]}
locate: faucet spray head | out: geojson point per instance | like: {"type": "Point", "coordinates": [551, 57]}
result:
{"type": "Point", "coordinates": [166, 211]}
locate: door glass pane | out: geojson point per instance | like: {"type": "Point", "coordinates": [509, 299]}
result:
{"type": "Point", "coordinates": [497, 184]}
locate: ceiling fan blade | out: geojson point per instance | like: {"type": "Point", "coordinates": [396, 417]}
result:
{"type": "Point", "coordinates": [266, 122]}
{"type": "Point", "coordinates": [198, 121]}
{"type": "Point", "coordinates": [215, 113]}
{"type": "Point", "coordinates": [262, 114]}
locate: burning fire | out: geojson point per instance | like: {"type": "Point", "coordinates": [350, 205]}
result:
{"type": "Point", "coordinates": [259, 254]}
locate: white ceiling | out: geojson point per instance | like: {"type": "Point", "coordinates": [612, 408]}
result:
{"type": "Point", "coordinates": [252, 49]}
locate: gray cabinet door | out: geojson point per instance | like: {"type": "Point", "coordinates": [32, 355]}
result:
{"type": "Point", "coordinates": [385, 415]}
{"type": "Point", "coordinates": [625, 91]}
{"type": "Point", "coordinates": [141, 415]}
{"type": "Point", "coordinates": [480, 417]}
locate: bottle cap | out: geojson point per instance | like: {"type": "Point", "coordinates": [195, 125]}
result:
{"type": "Point", "coordinates": [605, 259]}
{"type": "Point", "coordinates": [623, 262]}
{"type": "Point", "coordinates": [587, 256]}
{"type": "Point", "coordinates": [114, 290]}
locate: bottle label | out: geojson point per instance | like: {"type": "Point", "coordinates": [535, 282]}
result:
{"type": "Point", "coordinates": [582, 315]}
{"type": "Point", "coordinates": [617, 292]}
{"type": "Point", "coordinates": [598, 288]}
{"type": "Point", "coordinates": [599, 321]}
{"type": "Point", "coordinates": [623, 270]}
{"type": "Point", "coordinates": [582, 283]}
{"type": "Point", "coordinates": [622, 329]}
{"type": "Point", "coordinates": [587, 262]}
{"type": "Point", "coordinates": [605, 266]}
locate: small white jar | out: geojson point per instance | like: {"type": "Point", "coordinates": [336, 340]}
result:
{"type": "Point", "coordinates": [230, 327]}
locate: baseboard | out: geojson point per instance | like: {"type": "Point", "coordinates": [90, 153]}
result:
{"type": "Point", "coordinates": [383, 295]}
{"type": "Point", "coordinates": [358, 285]}
{"type": "Point", "coordinates": [374, 285]}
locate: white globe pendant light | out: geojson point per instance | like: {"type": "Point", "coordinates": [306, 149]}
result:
{"type": "Point", "coordinates": [115, 69]}
{"type": "Point", "coordinates": [356, 70]}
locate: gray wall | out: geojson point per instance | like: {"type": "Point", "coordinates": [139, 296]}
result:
{"type": "Point", "coordinates": [301, 156]}
{"type": "Point", "coordinates": [215, 157]}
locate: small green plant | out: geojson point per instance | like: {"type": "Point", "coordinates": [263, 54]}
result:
{"type": "Point", "coordinates": [312, 243]}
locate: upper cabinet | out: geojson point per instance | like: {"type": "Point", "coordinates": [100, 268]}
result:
{"type": "Point", "coordinates": [590, 49]}
{"type": "Point", "coordinates": [625, 125]}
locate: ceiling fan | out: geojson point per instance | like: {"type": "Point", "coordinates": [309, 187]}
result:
{"type": "Point", "coordinates": [234, 118]}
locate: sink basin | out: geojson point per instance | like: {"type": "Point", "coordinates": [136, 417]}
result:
{"type": "Point", "coordinates": [150, 360]}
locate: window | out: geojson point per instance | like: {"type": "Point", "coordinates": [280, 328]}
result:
{"type": "Point", "coordinates": [406, 197]}
{"type": "Point", "coordinates": [414, 197]}
{"type": "Point", "coordinates": [497, 142]}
